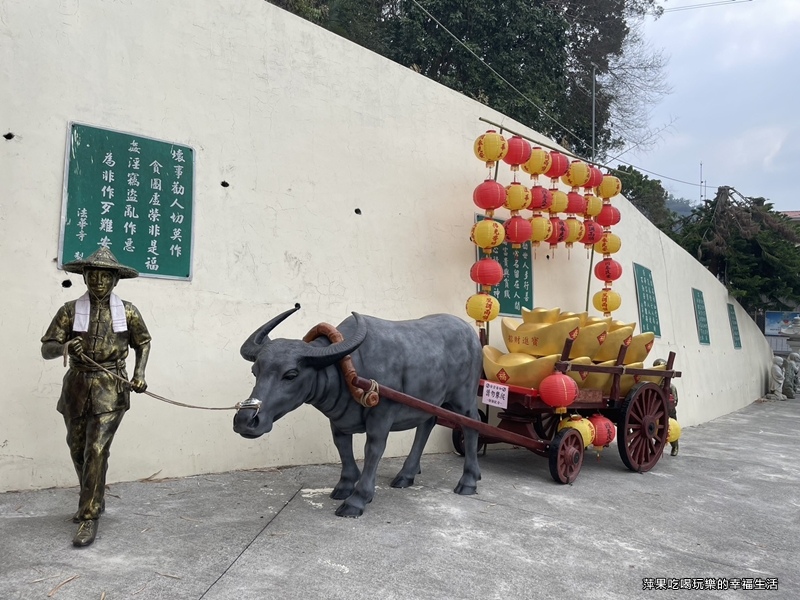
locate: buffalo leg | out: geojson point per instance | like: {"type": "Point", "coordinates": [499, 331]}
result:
{"type": "Point", "coordinates": [350, 472]}
{"type": "Point", "coordinates": [377, 434]}
{"type": "Point", "coordinates": [411, 468]}
{"type": "Point", "coordinates": [468, 484]}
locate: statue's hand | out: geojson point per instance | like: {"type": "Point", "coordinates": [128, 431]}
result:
{"type": "Point", "coordinates": [75, 347]}
{"type": "Point", "coordinates": [138, 385]}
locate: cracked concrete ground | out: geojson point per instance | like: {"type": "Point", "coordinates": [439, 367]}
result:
{"type": "Point", "coordinates": [726, 510]}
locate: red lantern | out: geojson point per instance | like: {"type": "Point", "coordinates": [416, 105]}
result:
{"type": "Point", "coordinates": [604, 430]}
{"type": "Point", "coordinates": [576, 204]}
{"type": "Point", "coordinates": [541, 198]}
{"type": "Point", "coordinates": [559, 391]}
{"type": "Point", "coordinates": [608, 270]}
{"type": "Point", "coordinates": [489, 195]}
{"type": "Point", "coordinates": [486, 272]}
{"type": "Point", "coordinates": [595, 178]}
{"type": "Point", "coordinates": [558, 166]}
{"type": "Point", "coordinates": [519, 151]}
{"type": "Point", "coordinates": [592, 233]}
{"type": "Point", "coordinates": [518, 230]}
{"type": "Point", "coordinates": [559, 233]}
{"type": "Point", "coordinates": [609, 215]}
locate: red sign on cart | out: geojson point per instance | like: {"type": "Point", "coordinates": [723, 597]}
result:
{"type": "Point", "coordinates": [495, 394]}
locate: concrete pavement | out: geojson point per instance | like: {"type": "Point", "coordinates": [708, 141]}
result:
{"type": "Point", "coordinates": [726, 510]}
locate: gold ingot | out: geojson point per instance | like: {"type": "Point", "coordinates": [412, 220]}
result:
{"type": "Point", "coordinates": [620, 324]}
{"type": "Point", "coordinates": [540, 315]}
{"type": "Point", "coordinates": [577, 376]}
{"type": "Point", "coordinates": [596, 381]}
{"type": "Point", "coordinates": [571, 315]}
{"type": "Point", "coordinates": [640, 347]}
{"type": "Point", "coordinates": [593, 320]}
{"type": "Point", "coordinates": [626, 382]}
{"type": "Point", "coordinates": [589, 340]}
{"type": "Point", "coordinates": [516, 368]}
{"type": "Point", "coordinates": [654, 378]}
{"type": "Point", "coordinates": [538, 339]}
{"type": "Point", "coordinates": [614, 339]}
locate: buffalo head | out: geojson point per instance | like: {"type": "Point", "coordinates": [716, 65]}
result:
{"type": "Point", "coordinates": [286, 373]}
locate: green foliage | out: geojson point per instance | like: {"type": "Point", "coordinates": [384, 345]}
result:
{"type": "Point", "coordinates": [751, 248]}
{"type": "Point", "coordinates": [550, 51]}
{"type": "Point", "coordinates": [648, 196]}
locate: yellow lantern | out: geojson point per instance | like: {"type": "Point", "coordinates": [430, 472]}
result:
{"type": "Point", "coordinates": [483, 307]}
{"type": "Point", "coordinates": [517, 197]}
{"type": "Point", "coordinates": [674, 431]}
{"type": "Point", "coordinates": [577, 175]}
{"type": "Point", "coordinates": [560, 202]}
{"type": "Point", "coordinates": [575, 231]}
{"type": "Point", "coordinates": [610, 243]}
{"type": "Point", "coordinates": [488, 234]}
{"type": "Point", "coordinates": [606, 301]}
{"type": "Point", "coordinates": [490, 147]}
{"type": "Point", "coordinates": [541, 229]}
{"type": "Point", "coordinates": [538, 163]}
{"type": "Point", "coordinates": [584, 426]}
{"type": "Point", "coordinates": [593, 205]}
{"type": "Point", "coordinates": [610, 187]}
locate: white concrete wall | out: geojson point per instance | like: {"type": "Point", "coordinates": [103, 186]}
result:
{"type": "Point", "coordinates": [306, 127]}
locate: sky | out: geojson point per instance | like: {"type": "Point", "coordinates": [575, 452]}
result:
{"type": "Point", "coordinates": [734, 70]}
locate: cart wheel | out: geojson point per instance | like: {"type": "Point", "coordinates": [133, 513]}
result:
{"type": "Point", "coordinates": [458, 437]}
{"type": "Point", "coordinates": [545, 425]}
{"type": "Point", "coordinates": [642, 427]}
{"type": "Point", "coordinates": [566, 455]}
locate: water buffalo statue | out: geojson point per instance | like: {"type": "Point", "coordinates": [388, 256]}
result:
{"type": "Point", "coordinates": [436, 359]}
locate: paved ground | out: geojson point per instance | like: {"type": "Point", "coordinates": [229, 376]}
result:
{"type": "Point", "coordinates": [726, 509]}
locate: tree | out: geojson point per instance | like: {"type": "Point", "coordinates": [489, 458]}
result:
{"type": "Point", "coordinates": [749, 247]}
{"type": "Point", "coordinates": [648, 196]}
{"type": "Point", "coordinates": [551, 54]}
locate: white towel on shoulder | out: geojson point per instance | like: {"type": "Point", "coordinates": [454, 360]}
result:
{"type": "Point", "coordinates": [82, 308]}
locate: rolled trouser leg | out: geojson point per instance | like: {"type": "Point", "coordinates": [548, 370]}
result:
{"type": "Point", "coordinates": [100, 430]}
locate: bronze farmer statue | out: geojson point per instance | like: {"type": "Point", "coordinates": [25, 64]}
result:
{"type": "Point", "coordinates": [99, 326]}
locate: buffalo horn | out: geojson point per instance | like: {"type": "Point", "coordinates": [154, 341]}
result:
{"type": "Point", "coordinates": [327, 355]}
{"type": "Point", "coordinates": [252, 346]}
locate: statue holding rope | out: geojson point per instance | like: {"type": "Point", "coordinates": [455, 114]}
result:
{"type": "Point", "coordinates": [95, 331]}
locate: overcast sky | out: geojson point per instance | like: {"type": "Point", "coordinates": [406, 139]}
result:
{"type": "Point", "coordinates": [735, 76]}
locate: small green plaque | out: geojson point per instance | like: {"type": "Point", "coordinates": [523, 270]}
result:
{"type": "Point", "coordinates": [737, 341]}
{"type": "Point", "coordinates": [132, 194]}
{"type": "Point", "coordinates": [700, 317]}
{"type": "Point", "coordinates": [646, 297]}
{"type": "Point", "coordinates": [515, 292]}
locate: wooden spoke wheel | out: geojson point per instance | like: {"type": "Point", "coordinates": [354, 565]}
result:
{"type": "Point", "coordinates": [642, 427]}
{"type": "Point", "coordinates": [566, 455]}
{"type": "Point", "coordinates": [545, 425]}
{"type": "Point", "coordinates": [458, 437]}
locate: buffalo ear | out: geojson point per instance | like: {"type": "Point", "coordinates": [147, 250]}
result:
{"type": "Point", "coordinates": [324, 356]}
{"type": "Point", "coordinates": [252, 346]}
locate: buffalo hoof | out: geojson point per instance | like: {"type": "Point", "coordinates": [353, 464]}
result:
{"type": "Point", "coordinates": [348, 510]}
{"type": "Point", "coordinates": [341, 493]}
{"type": "Point", "coordinates": [465, 490]}
{"type": "Point", "coordinates": [401, 481]}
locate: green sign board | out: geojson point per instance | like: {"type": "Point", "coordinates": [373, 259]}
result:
{"type": "Point", "coordinates": [737, 341]}
{"type": "Point", "coordinates": [515, 292]}
{"type": "Point", "coordinates": [700, 317]}
{"type": "Point", "coordinates": [646, 297]}
{"type": "Point", "coordinates": [132, 194]}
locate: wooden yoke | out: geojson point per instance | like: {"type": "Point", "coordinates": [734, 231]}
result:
{"type": "Point", "coordinates": [367, 399]}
